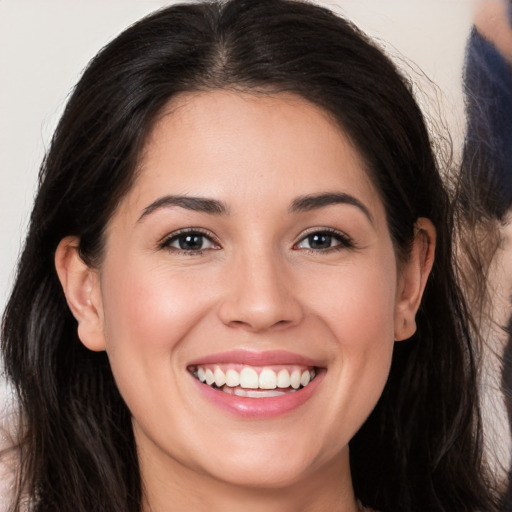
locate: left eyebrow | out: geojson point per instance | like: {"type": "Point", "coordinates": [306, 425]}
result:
{"type": "Point", "coordinates": [316, 201]}
{"type": "Point", "coordinates": [197, 204]}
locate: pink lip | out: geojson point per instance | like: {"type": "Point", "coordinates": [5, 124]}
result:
{"type": "Point", "coordinates": [248, 357]}
{"type": "Point", "coordinates": [259, 408]}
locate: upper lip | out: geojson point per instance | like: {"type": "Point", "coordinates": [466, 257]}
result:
{"type": "Point", "coordinates": [254, 358]}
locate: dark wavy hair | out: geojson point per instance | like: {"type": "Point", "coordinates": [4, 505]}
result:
{"type": "Point", "coordinates": [421, 448]}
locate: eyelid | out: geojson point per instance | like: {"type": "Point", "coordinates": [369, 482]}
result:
{"type": "Point", "coordinates": [346, 242]}
{"type": "Point", "coordinates": [164, 242]}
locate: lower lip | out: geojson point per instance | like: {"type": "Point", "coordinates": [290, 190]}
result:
{"type": "Point", "coordinates": [260, 407]}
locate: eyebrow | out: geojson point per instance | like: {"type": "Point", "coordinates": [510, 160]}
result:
{"type": "Point", "coordinates": [197, 204]}
{"type": "Point", "coordinates": [316, 201]}
{"type": "Point", "coordinates": [215, 207]}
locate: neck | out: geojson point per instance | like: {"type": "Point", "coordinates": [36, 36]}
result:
{"type": "Point", "coordinates": [177, 487]}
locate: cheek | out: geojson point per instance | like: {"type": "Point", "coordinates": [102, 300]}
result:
{"type": "Point", "coordinates": [148, 313]}
{"type": "Point", "coordinates": [358, 303]}
{"type": "Point", "coordinates": [150, 309]}
{"type": "Point", "coordinates": [367, 333]}
{"type": "Point", "coordinates": [358, 311]}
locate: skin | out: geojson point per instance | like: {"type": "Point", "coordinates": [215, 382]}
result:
{"type": "Point", "coordinates": [492, 21]}
{"type": "Point", "coordinates": [256, 286]}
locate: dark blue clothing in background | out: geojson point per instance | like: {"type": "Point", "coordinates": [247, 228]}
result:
{"type": "Point", "coordinates": [488, 146]}
{"type": "Point", "coordinates": [488, 155]}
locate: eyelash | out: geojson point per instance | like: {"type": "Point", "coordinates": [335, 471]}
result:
{"type": "Point", "coordinates": [174, 237]}
{"type": "Point", "coordinates": [344, 241]}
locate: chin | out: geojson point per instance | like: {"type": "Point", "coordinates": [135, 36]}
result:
{"type": "Point", "coordinates": [271, 467]}
{"type": "Point", "coordinates": [271, 476]}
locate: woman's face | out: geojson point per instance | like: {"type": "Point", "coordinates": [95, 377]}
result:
{"type": "Point", "coordinates": [252, 249]}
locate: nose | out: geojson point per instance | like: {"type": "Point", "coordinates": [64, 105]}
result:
{"type": "Point", "coordinates": [260, 295]}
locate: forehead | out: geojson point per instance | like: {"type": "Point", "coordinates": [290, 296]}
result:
{"type": "Point", "coordinates": [241, 148]}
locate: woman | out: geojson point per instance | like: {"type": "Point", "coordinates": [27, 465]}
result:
{"type": "Point", "coordinates": [237, 220]}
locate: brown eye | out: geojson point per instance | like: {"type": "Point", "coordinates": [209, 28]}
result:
{"type": "Point", "coordinates": [320, 241]}
{"type": "Point", "coordinates": [189, 241]}
{"type": "Point", "coordinates": [324, 240]}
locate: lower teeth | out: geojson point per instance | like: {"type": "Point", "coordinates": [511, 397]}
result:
{"type": "Point", "coordinates": [255, 393]}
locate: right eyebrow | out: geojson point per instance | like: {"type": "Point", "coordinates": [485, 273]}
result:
{"type": "Point", "coordinates": [197, 204]}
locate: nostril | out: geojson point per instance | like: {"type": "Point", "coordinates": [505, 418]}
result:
{"type": "Point", "coordinates": [259, 308]}
{"type": "Point", "coordinates": [237, 323]}
{"type": "Point", "coordinates": [258, 326]}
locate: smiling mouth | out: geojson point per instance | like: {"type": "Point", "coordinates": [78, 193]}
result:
{"type": "Point", "coordinates": [254, 382]}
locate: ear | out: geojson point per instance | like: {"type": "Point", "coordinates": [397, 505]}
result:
{"type": "Point", "coordinates": [81, 285]}
{"type": "Point", "coordinates": [413, 278]}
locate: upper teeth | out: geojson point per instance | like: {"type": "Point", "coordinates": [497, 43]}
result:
{"type": "Point", "coordinates": [249, 378]}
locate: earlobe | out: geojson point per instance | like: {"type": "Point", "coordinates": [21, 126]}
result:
{"type": "Point", "coordinates": [81, 287]}
{"type": "Point", "coordinates": [413, 278]}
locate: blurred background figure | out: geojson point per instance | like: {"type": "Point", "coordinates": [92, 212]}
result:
{"type": "Point", "coordinates": [487, 182]}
